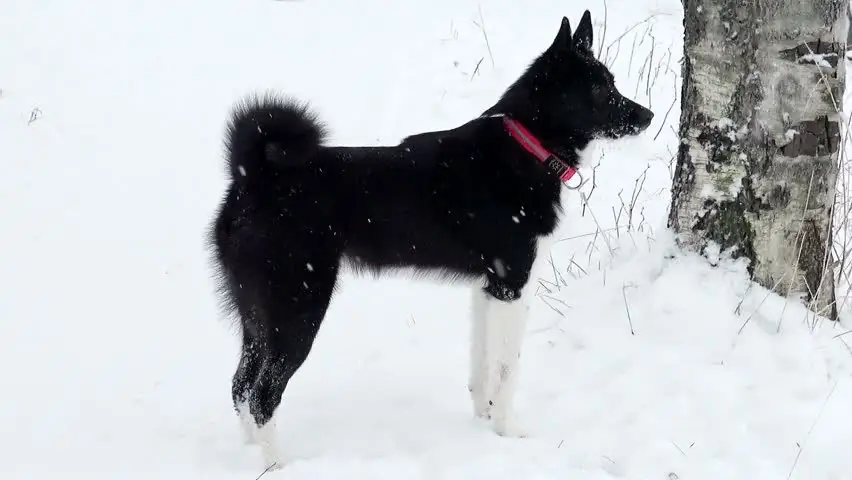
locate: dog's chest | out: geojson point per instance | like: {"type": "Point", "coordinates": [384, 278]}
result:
{"type": "Point", "coordinates": [560, 213]}
{"type": "Point", "coordinates": [544, 243]}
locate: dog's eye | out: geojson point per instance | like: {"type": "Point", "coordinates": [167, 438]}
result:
{"type": "Point", "coordinates": [600, 94]}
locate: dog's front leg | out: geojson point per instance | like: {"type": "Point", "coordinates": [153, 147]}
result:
{"type": "Point", "coordinates": [505, 328]}
{"type": "Point", "coordinates": [478, 385]}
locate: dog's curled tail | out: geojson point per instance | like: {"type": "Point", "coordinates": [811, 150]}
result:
{"type": "Point", "coordinates": [266, 133]}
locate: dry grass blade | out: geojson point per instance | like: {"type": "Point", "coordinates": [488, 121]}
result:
{"type": "Point", "coordinates": [485, 34]}
{"type": "Point", "coordinates": [804, 442]}
{"type": "Point", "coordinates": [268, 469]}
{"type": "Point", "coordinates": [627, 308]}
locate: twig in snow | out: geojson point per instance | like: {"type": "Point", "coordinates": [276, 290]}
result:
{"type": "Point", "coordinates": [848, 348]}
{"type": "Point", "coordinates": [739, 308]}
{"type": "Point", "coordinates": [627, 308]}
{"type": "Point", "coordinates": [557, 300]}
{"type": "Point", "coordinates": [35, 114]}
{"type": "Point", "coordinates": [274, 465]}
{"type": "Point", "coordinates": [573, 262]}
{"type": "Point", "coordinates": [544, 299]}
{"type": "Point", "coordinates": [617, 216]}
{"type": "Point", "coordinates": [802, 447]}
{"type": "Point", "coordinates": [650, 61]}
{"type": "Point", "coordinates": [609, 61]}
{"type": "Point", "coordinates": [594, 185]}
{"type": "Point", "coordinates": [674, 100]}
{"type": "Point", "coordinates": [603, 28]}
{"type": "Point", "coordinates": [766, 297]}
{"type": "Point", "coordinates": [632, 52]}
{"type": "Point", "coordinates": [638, 187]}
{"type": "Point", "coordinates": [485, 34]}
{"type": "Point", "coordinates": [841, 334]}
{"type": "Point", "coordinates": [841, 235]}
{"type": "Point", "coordinates": [585, 200]}
{"type": "Point", "coordinates": [590, 234]}
{"type": "Point", "coordinates": [801, 247]}
{"type": "Point", "coordinates": [557, 277]}
{"type": "Point", "coordinates": [476, 69]}
{"type": "Point", "coordinates": [543, 285]}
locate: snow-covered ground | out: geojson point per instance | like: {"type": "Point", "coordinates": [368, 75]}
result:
{"type": "Point", "coordinates": [116, 362]}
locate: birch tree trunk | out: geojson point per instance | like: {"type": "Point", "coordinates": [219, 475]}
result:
{"type": "Point", "coordinates": [763, 83]}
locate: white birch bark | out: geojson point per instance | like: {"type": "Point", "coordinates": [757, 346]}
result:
{"type": "Point", "coordinates": [763, 83]}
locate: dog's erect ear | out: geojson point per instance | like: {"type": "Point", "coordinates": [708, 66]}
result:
{"type": "Point", "coordinates": [563, 38]}
{"type": "Point", "coordinates": [583, 35]}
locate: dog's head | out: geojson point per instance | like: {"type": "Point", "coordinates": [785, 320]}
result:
{"type": "Point", "coordinates": [572, 94]}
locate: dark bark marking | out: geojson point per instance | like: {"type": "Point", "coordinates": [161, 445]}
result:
{"type": "Point", "coordinates": [682, 186]}
{"type": "Point", "coordinates": [811, 261]}
{"type": "Point", "coordinates": [744, 20]}
{"type": "Point", "coordinates": [779, 197]}
{"type": "Point", "coordinates": [719, 141]}
{"type": "Point", "coordinates": [814, 138]}
{"type": "Point", "coordinates": [787, 87]}
{"type": "Point", "coordinates": [830, 10]}
{"type": "Point", "coordinates": [832, 52]}
{"type": "Point", "coordinates": [683, 181]}
{"type": "Point", "coordinates": [726, 225]}
{"type": "Point", "coordinates": [694, 21]}
{"type": "Point", "coordinates": [750, 200]}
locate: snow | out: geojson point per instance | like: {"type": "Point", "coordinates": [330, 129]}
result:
{"type": "Point", "coordinates": [640, 362]}
{"type": "Point", "coordinates": [819, 59]}
{"type": "Point", "coordinates": [790, 134]}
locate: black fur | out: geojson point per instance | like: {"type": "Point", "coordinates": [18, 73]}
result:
{"type": "Point", "coordinates": [452, 202]}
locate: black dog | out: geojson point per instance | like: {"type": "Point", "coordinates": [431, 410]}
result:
{"type": "Point", "coordinates": [472, 203]}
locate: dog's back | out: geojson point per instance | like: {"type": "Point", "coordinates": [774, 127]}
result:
{"type": "Point", "coordinates": [432, 202]}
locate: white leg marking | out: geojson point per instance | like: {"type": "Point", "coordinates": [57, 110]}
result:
{"type": "Point", "coordinates": [478, 366]}
{"type": "Point", "coordinates": [247, 423]}
{"type": "Point", "coordinates": [507, 323]}
{"type": "Point", "coordinates": [505, 328]}
{"type": "Point", "coordinates": [269, 446]}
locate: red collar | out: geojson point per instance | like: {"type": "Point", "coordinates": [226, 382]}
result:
{"type": "Point", "coordinates": [531, 144]}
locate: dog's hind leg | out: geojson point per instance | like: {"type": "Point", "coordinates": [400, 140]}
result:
{"type": "Point", "coordinates": [477, 383]}
{"type": "Point", "coordinates": [295, 308]}
{"type": "Point", "coordinates": [246, 374]}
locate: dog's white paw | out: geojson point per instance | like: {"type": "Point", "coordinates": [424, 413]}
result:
{"type": "Point", "coordinates": [481, 406]}
{"type": "Point", "coordinates": [508, 426]}
{"type": "Point", "coordinates": [249, 431]}
{"type": "Point", "coordinates": [272, 466]}
{"type": "Point", "coordinates": [247, 426]}
{"type": "Point", "coordinates": [248, 436]}
{"type": "Point", "coordinates": [481, 412]}
{"type": "Point", "coordinates": [273, 457]}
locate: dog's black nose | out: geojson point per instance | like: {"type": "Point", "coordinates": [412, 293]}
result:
{"type": "Point", "coordinates": [644, 116]}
